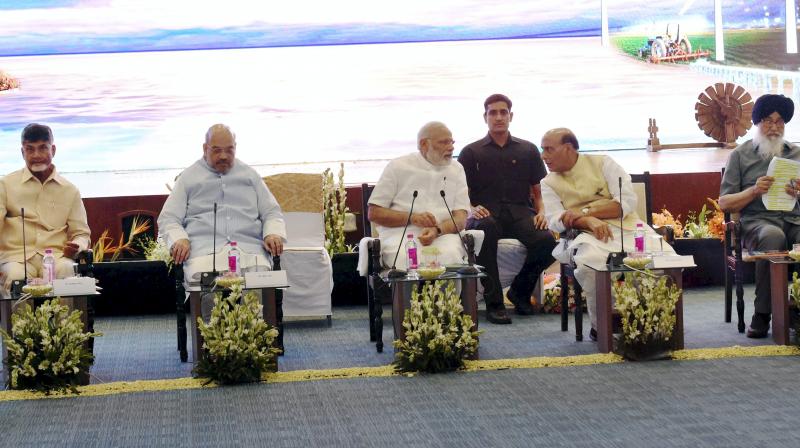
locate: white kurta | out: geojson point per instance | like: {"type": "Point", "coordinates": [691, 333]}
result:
{"type": "Point", "coordinates": [586, 248]}
{"type": "Point", "coordinates": [395, 190]}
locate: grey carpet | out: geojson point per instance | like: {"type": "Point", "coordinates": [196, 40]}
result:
{"type": "Point", "coordinates": [145, 347]}
{"type": "Point", "coordinates": [745, 402]}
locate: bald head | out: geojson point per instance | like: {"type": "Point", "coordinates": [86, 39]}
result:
{"type": "Point", "coordinates": [559, 149]}
{"type": "Point", "coordinates": [219, 150]}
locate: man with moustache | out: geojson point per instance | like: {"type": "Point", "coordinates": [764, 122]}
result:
{"type": "Point", "coordinates": [55, 217]}
{"type": "Point", "coordinates": [503, 174]}
{"type": "Point", "coordinates": [247, 212]}
{"type": "Point", "coordinates": [580, 193]}
{"type": "Point", "coordinates": [428, 172]}
{"type": "Point", "coordinates": [744, 183]}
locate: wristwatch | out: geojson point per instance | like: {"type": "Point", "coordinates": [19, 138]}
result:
{"type": "Point", "coordinates": [585, 211]}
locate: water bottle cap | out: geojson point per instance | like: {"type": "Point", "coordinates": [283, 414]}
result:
{"type": "Point", "coordinates": [48, 251]}
{"type": "Point", "coordinates": [410, 235]}
{"type": "Point", "coordinates": [233, 243]}
{"type": "Point", "coordinates": [638, 224]}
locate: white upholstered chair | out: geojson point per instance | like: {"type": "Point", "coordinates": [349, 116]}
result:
{"type": "Point", "coordinates": [305, 260]}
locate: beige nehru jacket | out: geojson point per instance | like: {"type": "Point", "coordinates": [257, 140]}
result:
{"type": "Point", "coordinates": [585, 185]}
{"type": "Point", "coordinates": [54, 214]}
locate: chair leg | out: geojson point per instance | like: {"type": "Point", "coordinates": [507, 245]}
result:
{"type": "Point", "coordinates": [739, 297]}
{"type": "Point", "coordinates": [578, 310]}
{"type": "Point", "coordinates": [728, 294]}
{"type": "Point", "coordinates": [371, 307]}
{"type": "Point", "coordinates": [279, 316]}
{"type": "Point", "coordinates": [564, 301]}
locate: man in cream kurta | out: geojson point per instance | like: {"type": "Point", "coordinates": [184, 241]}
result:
{"type": "Point", "coordinates": [582, 192]}
{"type": "Point", "coordinates": [55, 217]}
{"type": "Point", "coordinates": [428, 172]}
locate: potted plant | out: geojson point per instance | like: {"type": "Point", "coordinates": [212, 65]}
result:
{"type": "Point", "coordinates": [348, 287]}
{"type": "Point", "coordinates": [794, 307]}
{"type": "Point", "coordinates": [238, 342]}
{"type": "Point", "coordinates": [439, 336]}
{"type": "Point", "coordinates": [48, 350]}
{"type": "Point", "coordinates": [646, 304]}
{"type": "Point", "coordinates": [700, 235]}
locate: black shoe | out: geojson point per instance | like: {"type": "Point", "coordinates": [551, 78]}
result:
{"type": "Point", "coordinates": [498, 317]}
{"type": "Point", "coordinates": [593, 335]}
{"type": "Point", "coordinates": [759, 326]}
{"type": "Point", "coordinates": [522, 306]}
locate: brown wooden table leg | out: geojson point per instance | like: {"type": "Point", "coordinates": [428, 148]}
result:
{"type": "Point", "coordinates": [195, 300]}
{"type": "Point", "coordinates": [400, 301]}
{"type": "Point", "coordinates": [677, 332]}
{"type": "Point", "coordinates": [469, 300]}
{"type": "Point", "coordinates": [602, 282]}
{"type": "Point", "coordinates": [81, 303]}
{"type": "Point", "coordinates": [270, 311]}
{"type": "Point", "coordinates": [5, 321]}
{"type": "Point", "coordinates": [778, 283]}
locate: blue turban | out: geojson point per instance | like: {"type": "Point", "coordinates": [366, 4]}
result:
{"type": "Point", "coordinates": [769, 103]}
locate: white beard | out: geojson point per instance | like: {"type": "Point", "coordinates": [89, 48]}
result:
{"type": "Point", "coordinates": [768, 147]}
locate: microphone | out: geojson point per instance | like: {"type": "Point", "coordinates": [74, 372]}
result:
{"type": "Point", "coordinates": [616, 259]}
{"type": "Point", "coordinates": [394, 272]}
{"type": "Point", "coordinates": [16, 285]}
{"type": "Point", "coordinates": [467, 270]}
{"type": "Point", "coordinates": [207, 278]}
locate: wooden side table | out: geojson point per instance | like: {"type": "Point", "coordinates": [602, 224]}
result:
{"type": "Point", "coordinates": [779, 292]}
{"type": "Point", "coordinates": [605, 343]}
{"type": "Point", "coordinates": [401, 300]}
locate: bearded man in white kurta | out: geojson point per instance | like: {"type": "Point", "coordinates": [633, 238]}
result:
{"type": "Point", "coordinates": [582, 192]}
{"type": "Point", "coordinates": [428, 172]}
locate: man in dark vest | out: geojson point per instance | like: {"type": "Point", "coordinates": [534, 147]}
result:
{"type": "Point", "coordinates": [503, 174]}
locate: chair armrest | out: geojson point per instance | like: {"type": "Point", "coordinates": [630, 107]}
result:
{"type": "Point", "coordinates": [85, 260]}
{"type": "Point", "coordinates": [469, 241]}
{"type": "Point", "coordinates": [666, 232]}
{"type": "Point", "coordinates": [276, 263]}
{"type": "Point", "coordinates": [374, 264]}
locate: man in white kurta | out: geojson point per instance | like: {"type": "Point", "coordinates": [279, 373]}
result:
{"type": "Point", "coordinates": [428, 172]}
{"type": "Point", "coordinates": [582, 192]}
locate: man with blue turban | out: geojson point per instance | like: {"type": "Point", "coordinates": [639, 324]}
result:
{"type": "Point", "coordinates": [743, 184]}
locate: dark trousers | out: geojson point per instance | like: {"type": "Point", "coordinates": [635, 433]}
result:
{"type": "Point", "coordinates": [540, 244]}
{"type": "Point", "coordinates": [765, 236]}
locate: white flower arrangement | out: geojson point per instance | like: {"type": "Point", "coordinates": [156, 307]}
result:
{"type": "Point", "coordinates": [647, 308]}
{"type": "Point", "coordinates": [439, 335]}
{"type": "Point", "coordinates": [47, 348]}
{"type": "Point", "coordinates": [794, 291]}
{"type": "Point", "coordinates": [156, 250]}
{"type": "Point", "coordinates": [237, 339]}
{"type": "Point", "coordinates": [335, 203]}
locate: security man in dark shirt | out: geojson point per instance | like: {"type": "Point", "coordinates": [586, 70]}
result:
{"type": "Point", "coordinates": [503, 174]}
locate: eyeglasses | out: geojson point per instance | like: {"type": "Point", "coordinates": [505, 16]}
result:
{"type": "Point", "coordinates": [769, 122]}
{"type": "Point", "coordinates": [447, 141]}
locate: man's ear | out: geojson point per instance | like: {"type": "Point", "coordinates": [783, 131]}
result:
{"type": "Point", "coordinates": [53, 148]}
{"type": "Point", "coordinates": [485, 118]}
{"type": "Point", "coordinates": [510, 116]}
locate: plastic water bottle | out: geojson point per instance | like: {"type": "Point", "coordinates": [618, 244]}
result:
{"type": "Point", "coordinates": [411, 251]}
{"type": "Point", "coordinates": [48, 266]}
{"type": "Point", "coordinates": [233, 258]}
{"type": "Point", "coordinates": [638, 238]}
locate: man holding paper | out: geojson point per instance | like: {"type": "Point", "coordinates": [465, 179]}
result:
{"type": "Point", "coordinates": [761, 183]}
